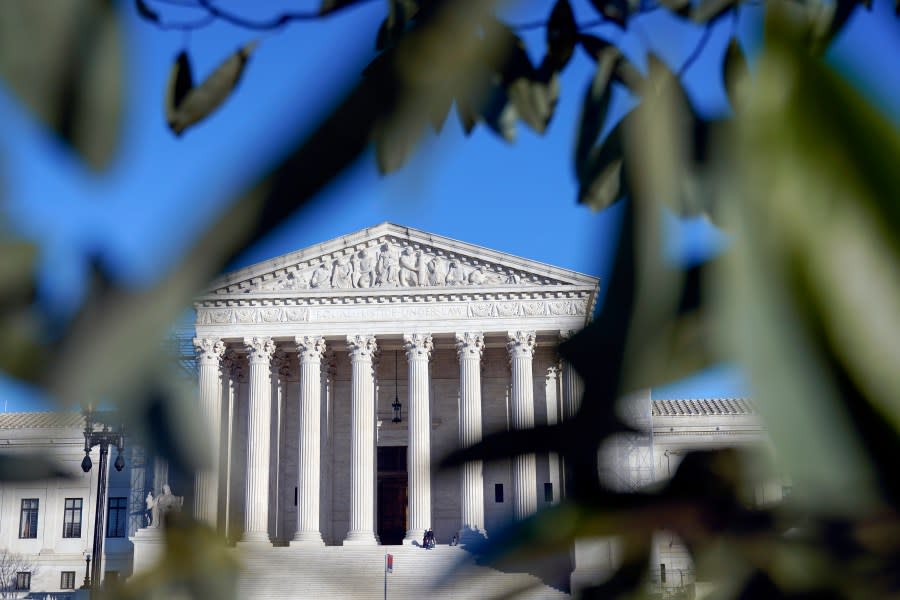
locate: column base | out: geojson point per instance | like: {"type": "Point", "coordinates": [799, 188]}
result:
{"type": "Point", "coordinates": [307, 538]}
{"type": "Point", "coordinates": [254, 538]}
{"type": "Point", "coordinates": [360, 538]}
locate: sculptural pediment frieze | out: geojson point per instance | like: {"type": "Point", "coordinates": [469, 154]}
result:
{"type": "Point", "coordinates": [389, 257]}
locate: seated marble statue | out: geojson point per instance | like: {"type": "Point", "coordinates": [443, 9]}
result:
{"type": "Point", "coordinates": [163, 504]}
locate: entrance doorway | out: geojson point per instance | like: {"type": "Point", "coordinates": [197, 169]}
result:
{"type": "Point", "coordinates": [392, 496]}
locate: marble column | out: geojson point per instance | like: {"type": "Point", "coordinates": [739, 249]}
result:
{"type": "Point", "coordinates": [309, 350]}
{"type": "Point", "coordinates": [418, 350]}
{"type": "Point", "coordinates": [524, 472]}
{"type": "Point", "coordinates": [362, 440]}
{"type": "Point", "coordinates": [259, 422]}
{"type": "Point", "coordinates": [571, 385]}
{"type": "Point", "coordinates": [551, 385]}
{"type": "Point", "coordinates": [469, 348]}
{"type": "Point", "coordinates": [206, 485]}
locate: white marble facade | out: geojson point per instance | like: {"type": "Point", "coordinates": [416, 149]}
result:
{"type": "Point", "coordinates": [300, 358]}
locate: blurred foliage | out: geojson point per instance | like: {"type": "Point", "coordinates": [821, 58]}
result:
{"type": "Point", "coordinates": [807, 297]}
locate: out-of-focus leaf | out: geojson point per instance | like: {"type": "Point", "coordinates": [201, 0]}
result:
{"type": "Point", "coordinates": [594, 108]}
{"type": "Point", "coordinates": [145, 11]}
{"type": "Point", "coordinates": [615, 11]}
{"type": "Point", "coordinates": [64, 61]}
{"type": "Point", "coordinates": [592, 45]}
{"type": "Point", "coordinates": [708, 10]}
{"type": "Point", "coordinates": [178, 573]}
{"type": "Point", "coordinates": [203, 99]}
{"type": "Point", "coordinates": [440, 110]}
{"type": "Point", "coordinates": [181, 81]}
{"type": "Point", "coordinates": [667, 171]}
{"type": "Point", "coordinates": [628, 75]}
{"type": "Point", "coordinates": [19, 467]}
{"type": "Point", "coordinates": [17, 272]}
{"type": "Point", "coordinates": [602, 182]}
{"type": "Point", "coordinates": [562, 32]}
{"type": "Point", "coordinates": [535, 97]}
{"type": "Point", "coordinates": [329, 6]}
{"type": "Point", "coordinates": [843, 10]}
{"type": "Point", "coordinates": [811, 293]}
{"type": "Point", "coordinates": [22, 349]}
{"type": "Point", "coordinates": [735, 72]}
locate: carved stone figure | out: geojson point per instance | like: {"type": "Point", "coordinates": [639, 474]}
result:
{"type": "Point", "coordinates": [162, 505]}
{"type": "Point", "coordinates": [409, 268]}
{"type": "Point", "coordinates": [320, 276]}
{"type": "Point", "coordinates": [388, 268]}
{"type": "Point", "coordinates": [477, 276]}
{"type": "Point", "coordinates": [365, 268]}
{"type": "Point", "coordinates": [456, 274]}
{"type": "Point", "coordinates": [437, 271]}
{"type": "Point", "coordinates": [342, 277]}
{"type": "Point", "coordinates": [151, 504]}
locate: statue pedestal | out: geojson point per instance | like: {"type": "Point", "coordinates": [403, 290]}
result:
{"type": "Point", "coordinates": [149, 544]}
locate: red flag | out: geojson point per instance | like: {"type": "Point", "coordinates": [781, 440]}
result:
{"type": "Point", "coordinates": [388, 563]}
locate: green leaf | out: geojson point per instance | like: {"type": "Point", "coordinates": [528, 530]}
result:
{"type": "Point", "coordinates": [736, 74]}
{"type": "Point", "coordinates": [181, 81]}
{"type": "Point", "coordinates": [628, 75]}
{"type": "Point", "coordinates": [64, 61]}
{"type": "Point", "coordinates": [594, 107]}
{"type": "Point", "coordinates": [562, 33]}
{"type": "Point", "coordinates": [615, 11]}
{"type": "Point", "coordinates": [810, 297]}
{"type": "Point", "coordinates": [200, 101]}
{"type": "Point", "coordinates": [592, 45]}
{"type": "Point", "coordinates": [534, 97]}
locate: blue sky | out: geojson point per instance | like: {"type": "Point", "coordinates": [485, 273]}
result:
{"type": "Point", "coordinates": [141, 214]}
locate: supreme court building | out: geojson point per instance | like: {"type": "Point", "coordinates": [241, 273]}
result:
{"type": "Point", "coordinates": [334, 376]}
{"type": "Point", "coordinates": [332, 379]}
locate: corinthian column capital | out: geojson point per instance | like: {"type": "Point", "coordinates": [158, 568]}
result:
{"type": "Point", "coordinates": [310, 347]}
{"type": "Point", "coordinates": [469, 344]}
{"type": "Point", "coordinates": [361, 346]}
{"type": "Point", "coordinates": [520, 344]}
{"type": "Point", "coordinates": [418, 345]}
{"type": "Point", "coordinates": [259, 349]}
{"type": "Point", "coordinates": [209, 350]}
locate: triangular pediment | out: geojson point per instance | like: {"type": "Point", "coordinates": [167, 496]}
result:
{"type": "Point", "coordinates": [389, 258]}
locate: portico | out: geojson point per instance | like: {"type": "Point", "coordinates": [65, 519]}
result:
{"type": "Point", "coordinates": [301, 357]}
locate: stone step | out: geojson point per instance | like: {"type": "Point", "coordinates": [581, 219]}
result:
{"type": "Point", "coordinates": [357, 573]}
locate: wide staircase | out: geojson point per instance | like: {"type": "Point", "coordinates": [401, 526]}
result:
{"type": "Point", "coordinates": [350, 572]}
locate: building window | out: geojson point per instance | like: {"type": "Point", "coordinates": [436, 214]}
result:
{"type": "Point", "coordinates": [116, 517]}
{"type": "Point", "coordinates": [498, 492]}
{"type": "Point", "coordinates": [548, 492]}
{"type": "Point", "coordinates": [67, 580]}
{"type": "Point", "coordinates": [28, 519]}
{"type": "Point", "coordinates": [72, 518]}
{"type": "Point", "coordinates": [23, 580]}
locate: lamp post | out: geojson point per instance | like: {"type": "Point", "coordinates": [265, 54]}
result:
{"type": "Point", "coordinates": [87, 572]}
{"type": "Point", "coordinates": [103, 438]}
